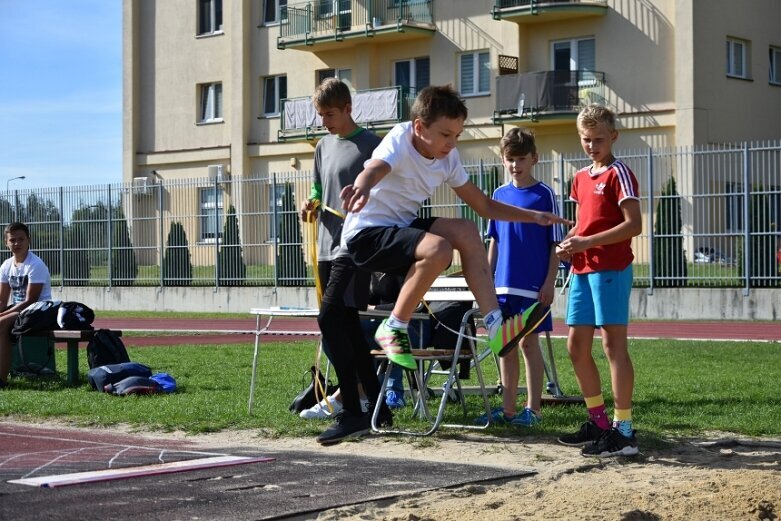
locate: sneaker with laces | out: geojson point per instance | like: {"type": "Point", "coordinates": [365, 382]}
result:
{"type": "Point", "coordinates": [395, 343]}
{"type": "Point", "coordinates": [514, 328]}
{"type": "Point", "coordinates": [394, 399]}
{"type": "Point", "coordinates": [497, 417]}
{"type": "Point", "coordinates": [612, 443]}
{"type": "Point", "coordinates": [346, 426]}
{"type": "Point", "coordinates": [320, 411]}
{"type": "Point", "coordinates": [526, 418]}
{"type": "Point", "coordinates": [588, 433]}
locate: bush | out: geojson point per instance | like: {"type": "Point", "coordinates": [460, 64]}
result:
{"type": "Point", "coordinates": [291, 268]}
{"type": "Point", "coordinates": [670, 268]}
{"type": "Point", "coordinates": [177, 268]}
{"type": "Point", "coordinates": [124, 268]}
{"type": "Point", "coordinates": [231, 270]}
{"type": "Point", "coordinates": [75, 271]}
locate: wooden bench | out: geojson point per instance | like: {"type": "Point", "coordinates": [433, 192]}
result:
{"type": "Point", "coordinates": [71, 338]}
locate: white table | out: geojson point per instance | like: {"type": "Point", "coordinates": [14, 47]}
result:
{"type": "Point", "coordinates": [265, 329]}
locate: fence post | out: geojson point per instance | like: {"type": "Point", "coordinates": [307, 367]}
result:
{"type": "Point", "coordinates": [62, 241]}
{"type": "Point", "coordinates": [108, 238]}
{"type": "Point", "coordinates": [161, 242]}
{"type": "Point", "coordinates": [275, 228]}
{"type": "Point", "coordinates": [216, 234]}
{"type": "Point", "coordinates": [650, 189]}
{"type": "Point", "coordinates": [562, 195]}
{"type": "Point", "coordinates": [746, 221]}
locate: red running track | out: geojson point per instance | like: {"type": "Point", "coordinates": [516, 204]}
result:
{"type": "Point", "coordinates": [240, 330]}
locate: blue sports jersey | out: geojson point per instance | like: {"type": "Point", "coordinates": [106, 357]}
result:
{"type": "Point", "coordinates": [523, 249]}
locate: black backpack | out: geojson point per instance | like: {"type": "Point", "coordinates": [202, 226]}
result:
{"type": "Point", "coordinates": [106, 348]}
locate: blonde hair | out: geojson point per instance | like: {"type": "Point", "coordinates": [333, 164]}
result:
{"type": "Point", "coordinates": [594, 114]}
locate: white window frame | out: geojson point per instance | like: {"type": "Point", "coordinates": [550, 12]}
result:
{"type": "Point", "coordinates": [775, 65]}
{"type": "Point", "coordinates": [207, 209]}
{"type": "Point", "coordinates": [345, 75]}
{"type": "Point", "coordinates": [277, 97]}
{"type": "Point", "coordinates": [474, 88]}
{"type": "Point", "coordinates": [210, 107]}
{"type": "Point", "coordinates": [736, 46]}
{"type": "Point", "coordinates": [573, 52]}
{"type": "Point", "coordinates": [278, 4]}
{"type": "Point", "coordinates": [213, 28]}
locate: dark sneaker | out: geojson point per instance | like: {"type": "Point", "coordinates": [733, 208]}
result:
{"type": "Point", "coordinates": [589, 433]}
{"type": "Point", "coordinates": [514, 328]}
{"type": "Point", "coordinates": [612, 443]}
{"type": "Point", "coordinates": [395, 343]}
{"type": "Point", "coordinates": [3, 385]}
{"type": "Point", "coordinates": [346, 426]}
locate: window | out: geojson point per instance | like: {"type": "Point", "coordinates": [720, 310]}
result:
{"type": "Point", "coordinates": [211, 103]}
{"type": "Point", "coordinates": [574, 55]}
{"type": "Point", "coordinates": [737, 66]}
{"type": "Point", "coordinates": [346, 75]}
{"type": "Point", "coordinates": [412, 74]}
{"type": "Point", "coordinates": [775, 65]}
{"type": "Point", "coordinates": [209, 16]}
{"type": "Point", "coordinates": [275, 11]}
{"type": "Point", "coordinates": [474, 73]}
{"type": "Point", "coordinates": [274, 90]}
{"type": "Point", "coordinates": [210, 203]}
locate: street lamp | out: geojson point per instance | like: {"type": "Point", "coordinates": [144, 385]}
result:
{"type": "Point", "coordinates": [7, 189]}
{"type": "Point", "coordinates": [12, 179]}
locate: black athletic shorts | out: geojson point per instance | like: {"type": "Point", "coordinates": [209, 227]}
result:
{"type": "Point", "coordinates": [342, 280]}
{"type": "Point", "coordinates": [388, 249]}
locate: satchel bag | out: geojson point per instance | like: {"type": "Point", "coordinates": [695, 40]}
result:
{"type": "Point", "coordinates": [307, 397]}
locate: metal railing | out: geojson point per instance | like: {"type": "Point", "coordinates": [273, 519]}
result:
{"type": "Point", "coordinates": [710, 219]}
{"type": "Point", "coordinates": [315, 20]}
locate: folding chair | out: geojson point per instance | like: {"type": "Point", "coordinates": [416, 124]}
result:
{"type": "Point", "coordinates": [428, 359]}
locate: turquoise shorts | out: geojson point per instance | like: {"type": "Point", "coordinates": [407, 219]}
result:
{"type": "Point", "coordinates": [600, 298]}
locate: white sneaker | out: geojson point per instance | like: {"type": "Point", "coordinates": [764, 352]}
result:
{"type": "Point", "coordinates": [320, 410]}
{"type": "Point", "coordinates": [364, 405]}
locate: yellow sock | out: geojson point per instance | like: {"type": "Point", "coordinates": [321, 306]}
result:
{"type": "Point", "coordinates": [594, 401]}
{"type": "Point", "coordinates": [622, 415]}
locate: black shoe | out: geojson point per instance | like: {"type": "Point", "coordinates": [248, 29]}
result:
{"type": "Point", "coordinates": [3, 385]}
{"type": "Point", "coordinates": [384, 417]}
{"type": "Point", "coordinates": [589, 433]}
{"type": "Point", "coordinates": [347, 425]}
{"type": "Point", "coordinates": [612, 443]}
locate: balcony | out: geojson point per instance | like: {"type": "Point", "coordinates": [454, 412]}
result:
{"type": "Point", "coordinates": [321, 25]}
{"type": "Point", "coordinates": [546, 97]}
{"type": "Point", "coordinates": [533, 11]}
{"type": "Point", "coordinates": [377, 109]}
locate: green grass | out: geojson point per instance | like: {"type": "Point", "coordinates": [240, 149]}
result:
{"type": "Point", "coordinates": [683, 388]}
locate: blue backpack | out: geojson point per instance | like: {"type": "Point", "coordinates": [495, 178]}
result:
{"type": "Point", "coordinates": [100, 377]}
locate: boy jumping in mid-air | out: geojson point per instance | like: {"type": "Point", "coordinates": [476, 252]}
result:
{"type": "Point", "coordinates": [600, 248]}
{"type": "Point", "coordinates": [383, 233]}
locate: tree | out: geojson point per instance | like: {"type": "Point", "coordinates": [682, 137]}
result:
{"type": "Point", "coordinates": [124, 268]}
{"type": "Point", "coordinates": [670, 268]}
{"type": "Point", "coordinates": [75, 270]}
{"type": "Point", "coordinates": [177, 268]}
{"type": "Point", "coordinates": [761, 241]}
{"type": "Point", "coordinates": [231, 270]}
{"type": "Point", "coordinates": [291, 268]}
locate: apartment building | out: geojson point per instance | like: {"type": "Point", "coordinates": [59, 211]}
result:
{"type": "Point", "coordinates": [220, 88]}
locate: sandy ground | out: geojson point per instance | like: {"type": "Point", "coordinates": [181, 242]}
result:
{"type": "Point", "coordinates": [717, 478]}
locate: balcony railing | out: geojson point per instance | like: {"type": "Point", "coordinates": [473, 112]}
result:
{"type": "Point", "coordinates": [546, 94]}
{"type": "Point", "coordinates": [314, 21]}
{"type": "Point", "coordinates": [522, 11]}
{"type": "Point", "coordinates": [372, 108]}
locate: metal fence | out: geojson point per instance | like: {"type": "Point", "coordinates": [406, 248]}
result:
{"type": "Point", "coordinates": [710, 219]}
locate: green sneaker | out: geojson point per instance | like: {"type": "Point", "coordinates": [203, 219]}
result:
{"type": "Point", "coordinates": [513, 329]}
{"type": "Point", "coordinates": [395, 343]}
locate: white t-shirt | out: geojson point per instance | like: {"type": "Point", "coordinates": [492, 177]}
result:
{"type": "Point", "coordinates": [396, 199]}
{"type": "Point", "coordinates": [31, 271]}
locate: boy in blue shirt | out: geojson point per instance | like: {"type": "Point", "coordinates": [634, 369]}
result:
{"type": "Point", "coordinates": [523, 259]}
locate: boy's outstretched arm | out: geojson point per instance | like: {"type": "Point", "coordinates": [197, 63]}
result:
{"type": "Point", "coordinates": [355, 196]}
{"type": "Point", "coordinates": [491, 209]}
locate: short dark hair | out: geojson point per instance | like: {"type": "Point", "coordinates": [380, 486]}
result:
{"type": "Point", "coordinates": [17, 227]}
{"type": "Point", "coordinates": [518, 141]}
{"type": "Point", "coordinates": [332, 93]}
{"type": "Point", "coordinates": [438, 101]}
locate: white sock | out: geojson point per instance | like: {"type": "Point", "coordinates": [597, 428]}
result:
{"type": "Point", "coordinates": [493, 321]}
{"type": "Point", "coordinates": [395, 323]}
